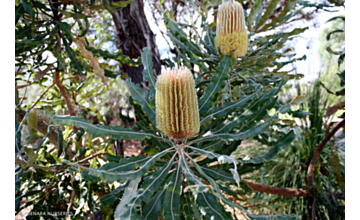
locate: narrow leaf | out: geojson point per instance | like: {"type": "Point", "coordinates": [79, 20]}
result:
{"type": "Point", "coordinates": [147, 62]}
{"type": "Point", "coordinates": [279, 145]}
{"type": "Point", "coordinates": [172, 196]}
{"type": "Point", "coordinates": [141, 96]}
{"type": "Point", "coordinates": [130, 192]}
{"type": "Point", "coordinates": [216, 85]}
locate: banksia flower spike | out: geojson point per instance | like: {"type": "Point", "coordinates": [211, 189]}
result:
{"type": "Point", "coordinates": [177, 111]}
{"type": "Point", "coordinates": [230, 29]}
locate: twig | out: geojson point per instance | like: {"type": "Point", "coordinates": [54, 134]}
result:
{"type": "Point", "coordinates": [18, 161]}
{"type": "Point", "coordinates": [277, 190]}
{"type": "Point", "coordinates": [42, 95]}
{"type": "Point", "coordinates": [92, 156]}
{"type": "Point", "coordinates": [313, 210]}
{"type": "Point", "coordinates": [24, 94]}
{"type": "Point", "coordinates": [310, 173]}
{"type": "Point", "coordinates": [64, 93]}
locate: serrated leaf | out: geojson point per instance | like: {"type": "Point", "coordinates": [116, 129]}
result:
{"type": "Point", "coordinates": [278, 18]}
{"type": "Point", "coordinates": [148, 76]}
{"type": "Point", "coordinates": [189, 207]}
{"type": "Point", "coordinates": [211, 208]}
{"type": "Point", "coordinates": [219, 194]}
{"type": "Point", "coordinates": [172, 196]}
{"type": "Point", "coordinates": [193, 181]}
{"type": "Point", "coordinates": [114, 172]}
{"type": "Point", "coordinates": [141, 96]}
{"type": "Point", "coordinates": [228, 107]}
{"type": "Point", "coordinates": [279, 145]}
{"type": "Point", "coordinates": [221, 159]}
{"type": "Point", "coordinates": [256, 129]}
{"type": "Point", "coordinates": [269, 11]}
{"type": "Point", "coordinates": [114, 195]}
{"type": "Point", "coordinates": [216, 85]}
{"type": "Point", "coordinates": [117, 132]}
{"type": "Point", "coordinates": [152, 208]}
{"type": "Point", "coordinates": [130, 192]}
{"type": "Point", "coordinates": [149, 186]}
{"type": "Point", "coordinates": [255, 12]}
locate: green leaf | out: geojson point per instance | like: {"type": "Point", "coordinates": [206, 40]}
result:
{"type": "Point", "coordinates": [254, 130]}
{"type": "Point", "coordinates": [172, 196]}
{"type": "Point", "coordinates": [117, 132]}
{"type": "Point", "coordinates": [130, 192]}
{"type": "Point", "coordinates": [85, 174]}
{"type": "Point", "coordinates": [142, 97]}
{"type": "Point", "coordinates": [193, 181]}
{"type": "Point", "coordinates": [115, 172]}
{"type": "Point", "coordinates": [150, 185]}
{"type": "Point", "coordinates": [228, 107]}
{"type": "Point", "coordinates": [60, 142]}
{"type": "Point", "coordinates": [18, 128]}
{"type": "Point", "coordinates": [328, 49]}
{"type": "Point", "coordinates": [66, 29]}
{"type": "Point", "coordinates": [219, 194]}
{"type": "Point", "coordinates": [211, 208]}
{"type": "Point", "coordinates": [217, 84]}
{"type": "Point", "coordinates": [332, 32]}
{"type": "Point", "coordinates": [255, 12]}
{"type": "Point", "coordinates": [79, 68]}
{"type": "Point", "coordinates": [19, 10]}
{"type": "Point", "coordinates": [221, 159]}
{"type": "Point", "coordinates": [336, 17]}
{"type": "Point", "coordinates": [299, 99]}
{"type": "Point", "coordinates": [189, 207]}
{"type": "Point", "coordinates": [278, 18]}
{"type": "Point", "coordinates": [148, 76]}
{"type": "Point", "coordinates": [279, 145]}
{"type": "Point", "coordinates": [299, 114]}
{"type": "Point", "coordinates": [73, 14]}
{"type": "Point", "coordinates": [152, 208]}
{"type": "Point", "coordinates": [28, 8]}
{"type": "Point", "coordinates": [269, 11]}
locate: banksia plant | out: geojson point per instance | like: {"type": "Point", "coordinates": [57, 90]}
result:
{"type": "Point", "coordinates": [177, 111]}
{"type": "Point", "coordinates": [230, 29]}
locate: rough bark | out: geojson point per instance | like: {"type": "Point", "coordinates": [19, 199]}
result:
{"type": "Point", "coordinates": [133, 33]}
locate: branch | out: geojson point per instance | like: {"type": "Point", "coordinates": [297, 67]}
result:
{"type": "Point", "coordinates": [18, 161]}
{"type": "Point", "coordinates": [277, 190]}
{"type": "Point", "coordinates": [310, 173]}
{"type": "Point", "coordinates": [287, 191]}
{"type": "Point", "coordinates": [41, 127]}
{"type": "Point", "coordinates": [64, 93]}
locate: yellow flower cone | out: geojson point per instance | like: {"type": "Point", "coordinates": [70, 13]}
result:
{"type": "Point", "coordinates": [177, 111]}
{"type": "Point", "coordinates": [230, 29]}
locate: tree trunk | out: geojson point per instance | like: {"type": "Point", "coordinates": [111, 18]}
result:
{"type": "Point", "coordinates": [133, 33]}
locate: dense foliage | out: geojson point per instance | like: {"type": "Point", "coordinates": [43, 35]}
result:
{"type": "Point", "coordinates": [73, 168]}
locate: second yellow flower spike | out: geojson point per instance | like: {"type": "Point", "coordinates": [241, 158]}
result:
{"type": "Point", "coordinates": [230, 29]}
